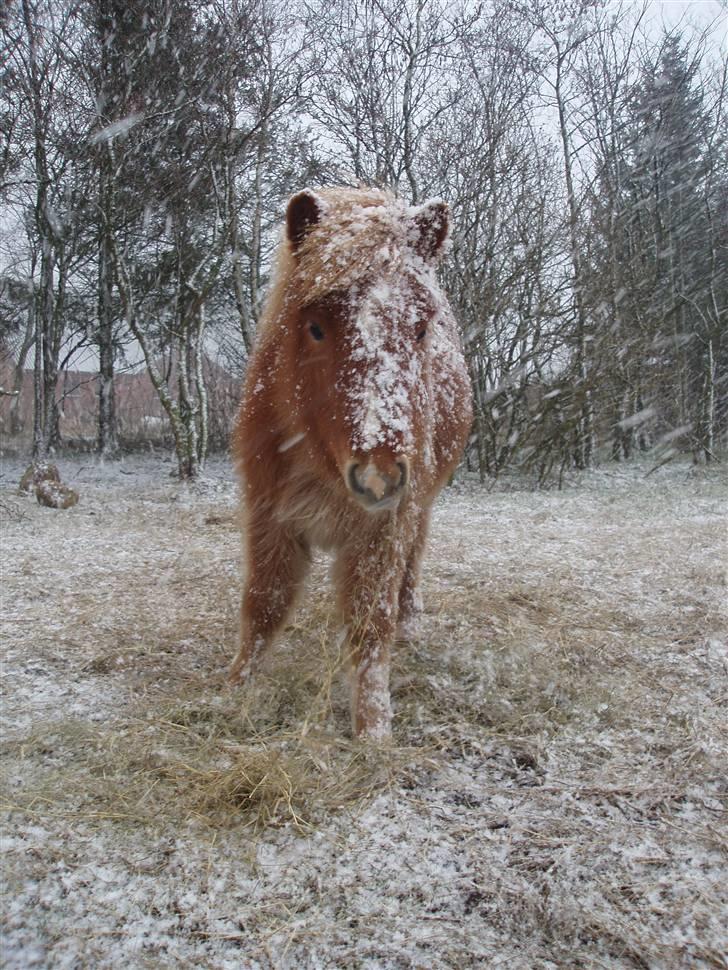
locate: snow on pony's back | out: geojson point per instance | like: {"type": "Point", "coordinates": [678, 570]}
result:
{"type": "Point", "coordinates": [355, 411]}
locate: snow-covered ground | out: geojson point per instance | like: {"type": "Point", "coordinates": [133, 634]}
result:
{"type": "Point", "coordinates": [555, 794]}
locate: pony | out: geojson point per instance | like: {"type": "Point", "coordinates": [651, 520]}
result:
{"type": "Point", "coordinates": [356, 408]}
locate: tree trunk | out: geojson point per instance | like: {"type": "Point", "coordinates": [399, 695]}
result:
{"type": "Point", "coordinates": [619, 443]}
{"type": "Point", "coordinates": [39, 449]}
{"type": "Point", "coordinates": [479, 425]}
{"type": "Point", "coordinates": [707, 442]}
{"type": "Point", "coordinates": [16, 420]}
{"type": "Point", "coordinates": [584, 446]}
{"type": "Point", "coordinates": [108, 444]}
{"type": "Point", "coordinates": [201, 389]}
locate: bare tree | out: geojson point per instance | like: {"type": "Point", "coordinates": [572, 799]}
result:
{"type": "Point", "coordinates": [385, 78]}
{"type": "Point", "coordinates": [48, 183]}
{"type": "Point", "coordinates": [499, 172]}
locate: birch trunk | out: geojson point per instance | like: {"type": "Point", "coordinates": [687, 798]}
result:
{"type": "Point", "coordinates": [201, 389]}
{"type": "Point", "coordinates": [16, 422]}
{"type": "Point", "coordinates": [107, 431]}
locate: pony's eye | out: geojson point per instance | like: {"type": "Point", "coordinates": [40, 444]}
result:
{"type": "Point", "coordinates": [316, 332]}
{"type": "Point", "coordinates": [421, 334]}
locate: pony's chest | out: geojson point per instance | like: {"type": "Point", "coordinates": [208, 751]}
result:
{"type": "Point", "coordinates": [314, 513]}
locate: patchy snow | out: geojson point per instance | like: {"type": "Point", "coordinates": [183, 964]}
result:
{"type": "Point", "coordinates": [385, 320]}
{"type": "Point", "coordinates": [381, 406]}
{"type": "Point", "coordinates": [554, 795]}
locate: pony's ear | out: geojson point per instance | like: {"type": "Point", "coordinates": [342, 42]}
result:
{"type": "Point", "coordinates": [304, 210]}
{"type": "Point", "coordinates": [429, 226]}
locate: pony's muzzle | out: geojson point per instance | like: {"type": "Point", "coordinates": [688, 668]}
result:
{"type": "Point", "coordinates": [377, 488]}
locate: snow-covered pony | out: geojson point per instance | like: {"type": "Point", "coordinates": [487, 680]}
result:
{"type": "Point", "coordinates": [355, 411]}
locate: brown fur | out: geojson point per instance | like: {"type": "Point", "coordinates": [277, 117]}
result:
{"type": "Point", "coordinates": [355, 410]}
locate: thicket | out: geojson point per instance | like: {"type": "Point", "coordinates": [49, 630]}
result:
{"type": "Point", "coordinates": [148, 149]}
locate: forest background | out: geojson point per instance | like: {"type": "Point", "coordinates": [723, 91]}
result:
{"type": "Point", "coordinates": [147, 150]}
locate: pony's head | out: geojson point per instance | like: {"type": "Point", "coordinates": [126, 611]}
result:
{"type": "Point", "coordinates": [364, 305]}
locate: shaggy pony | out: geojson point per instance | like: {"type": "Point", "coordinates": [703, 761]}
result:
{"type": "Point", "coordinates": [355, 411]}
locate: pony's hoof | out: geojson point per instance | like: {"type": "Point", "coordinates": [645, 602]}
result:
{"type": "Point", "coordinates": [408, 628]}
{"type": "Point", "coordinates": [239, 673]}
{"type": "Point", "coordinates": [375, 736]}
{"type": "Point", "coordinates": [377, 730]}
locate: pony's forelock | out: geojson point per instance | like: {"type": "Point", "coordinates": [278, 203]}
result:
{"type": "Point", "coordinates": [362, 233]}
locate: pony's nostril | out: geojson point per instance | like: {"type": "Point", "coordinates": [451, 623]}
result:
{"type": "Point", "coordinates": [404, 473]}
{"type": "Point", "coordinates": [354, 483]}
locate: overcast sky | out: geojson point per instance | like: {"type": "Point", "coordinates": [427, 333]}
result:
{"type": "Point", "coordinates": [700, 12]}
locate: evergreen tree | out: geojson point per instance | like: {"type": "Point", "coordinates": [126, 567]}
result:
{"type": "Point", "coordinates": [666, 237]}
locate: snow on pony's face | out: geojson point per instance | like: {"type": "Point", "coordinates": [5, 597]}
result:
{"type": "Point", "coordinates": [370, 298]}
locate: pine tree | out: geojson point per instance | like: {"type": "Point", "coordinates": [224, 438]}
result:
{"type": "Point", "coordinates": [665, 227]}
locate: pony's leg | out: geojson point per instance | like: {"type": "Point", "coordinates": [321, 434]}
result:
{"type": "Point", "coordinates": [277, 565]}
{"type": "Point", "coordinates": [410, 598]}
{"type": "Point", "coordinates": [368, 586]}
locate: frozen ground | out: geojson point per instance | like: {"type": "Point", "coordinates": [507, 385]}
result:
{"type": "Point", "coordinates": [555, 795]}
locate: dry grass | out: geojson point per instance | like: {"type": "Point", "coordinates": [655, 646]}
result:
{"type": "Point", "coordinates": [279, 751]}
{"type": "Point", "coordinates": [559, 736]}
{"type": "Point", "coordinates": [275, 752]}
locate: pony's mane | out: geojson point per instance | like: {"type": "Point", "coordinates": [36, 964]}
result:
{"type": "Point", "coordinates": [361, 233]}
